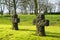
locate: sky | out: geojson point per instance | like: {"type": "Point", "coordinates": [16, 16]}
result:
{"type": "Point", "coordinates": [57, 7]}
{"type": "Point", "coordinates": [51, 1]}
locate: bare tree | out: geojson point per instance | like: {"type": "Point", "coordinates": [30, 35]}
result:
{"type": "Point", "coordinates": [31, 6]}
{"type": "Point", "coordinates": [58, 5]}
{"type": "Point", "coordinates": [2, 6]}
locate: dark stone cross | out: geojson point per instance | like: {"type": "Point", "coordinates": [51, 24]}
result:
{"type": "Point", "coordinates": [46, 22]}
{"type": "Point", "coordinates": [40, 23]}
{"type": "Point", "coordinates": [15, 20]}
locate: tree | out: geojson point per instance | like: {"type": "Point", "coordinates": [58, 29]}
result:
{"type": "Point", "coordinates": [31, 6]}
{"type": "Point", "coordinates": [9, 5]}
{"type": "Point", "coordinates": [36, 7]}
{"type": "Point", "coordinates": [58, 5]}
{"type": "Point", "coordinates": [2, 6]}
{"type": "Point", "coordinates": [23, 5]}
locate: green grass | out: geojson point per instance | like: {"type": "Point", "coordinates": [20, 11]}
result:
{"type": "Point", "coordinates": [54, 20]}
{"type": "Point", "coordinates": [26, 20]}
{"type": "Point", "coordinates": [27, 30]}
{"type": "Point", "coordinates": [28, 33]}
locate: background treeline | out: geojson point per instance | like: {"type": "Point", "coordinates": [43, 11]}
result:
{"type": "Point", "coordinates": [26, 6]}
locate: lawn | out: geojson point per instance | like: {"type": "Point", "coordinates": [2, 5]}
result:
{"type": "Point", "coordinates": [27, 30]}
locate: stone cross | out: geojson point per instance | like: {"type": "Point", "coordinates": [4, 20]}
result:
{"type": "Point", "coordinates": [40, 23]}
{"type": "Point", "coordinates": [15, 20]}
{"type": "Point", "coordinates": [41, 19]}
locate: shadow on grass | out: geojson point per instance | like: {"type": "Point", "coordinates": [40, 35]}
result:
{"type": "Point", "coordinates": [7, 37]}
{"type": "Point", "coordinates": [48, 34]}
{"type": "Point", "coordinates": [55, 36]}
{"type": "Point", "coordinates": [51, 34]}
{"type": "Point", "coordinates": [26, 30]}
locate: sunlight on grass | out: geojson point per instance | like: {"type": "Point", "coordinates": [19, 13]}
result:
{"type": "Point", "coordinates": [28, 33]}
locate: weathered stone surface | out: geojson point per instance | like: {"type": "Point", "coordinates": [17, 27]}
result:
{"type": "Point", "coordinates": [40, 23]}
{"type": "Point", "coordinates": [34, 21]}
{"type": "Point", "coordinates": [15, 20]}
{"type": "Point", "coordinates": [46, 22]}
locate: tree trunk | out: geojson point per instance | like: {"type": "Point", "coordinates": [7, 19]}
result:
{"type": "Point", "coordinates": [9, 12]}
{"type": "Point", "coordinates": [36, 7]}
{"type": "Point", "coordinates": [1, 10]}
{"type": "Point", "coordinates": [9, 7]}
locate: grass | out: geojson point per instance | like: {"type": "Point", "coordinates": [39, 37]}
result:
{"type": "Point", "coordinates": [27, 30]}
{"type": "Point", "coordinates": [54, 19]}
{"type": "Point", "coordinates": [26, 20]}
{"type": "Point", "coordinates": [28, 33]}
